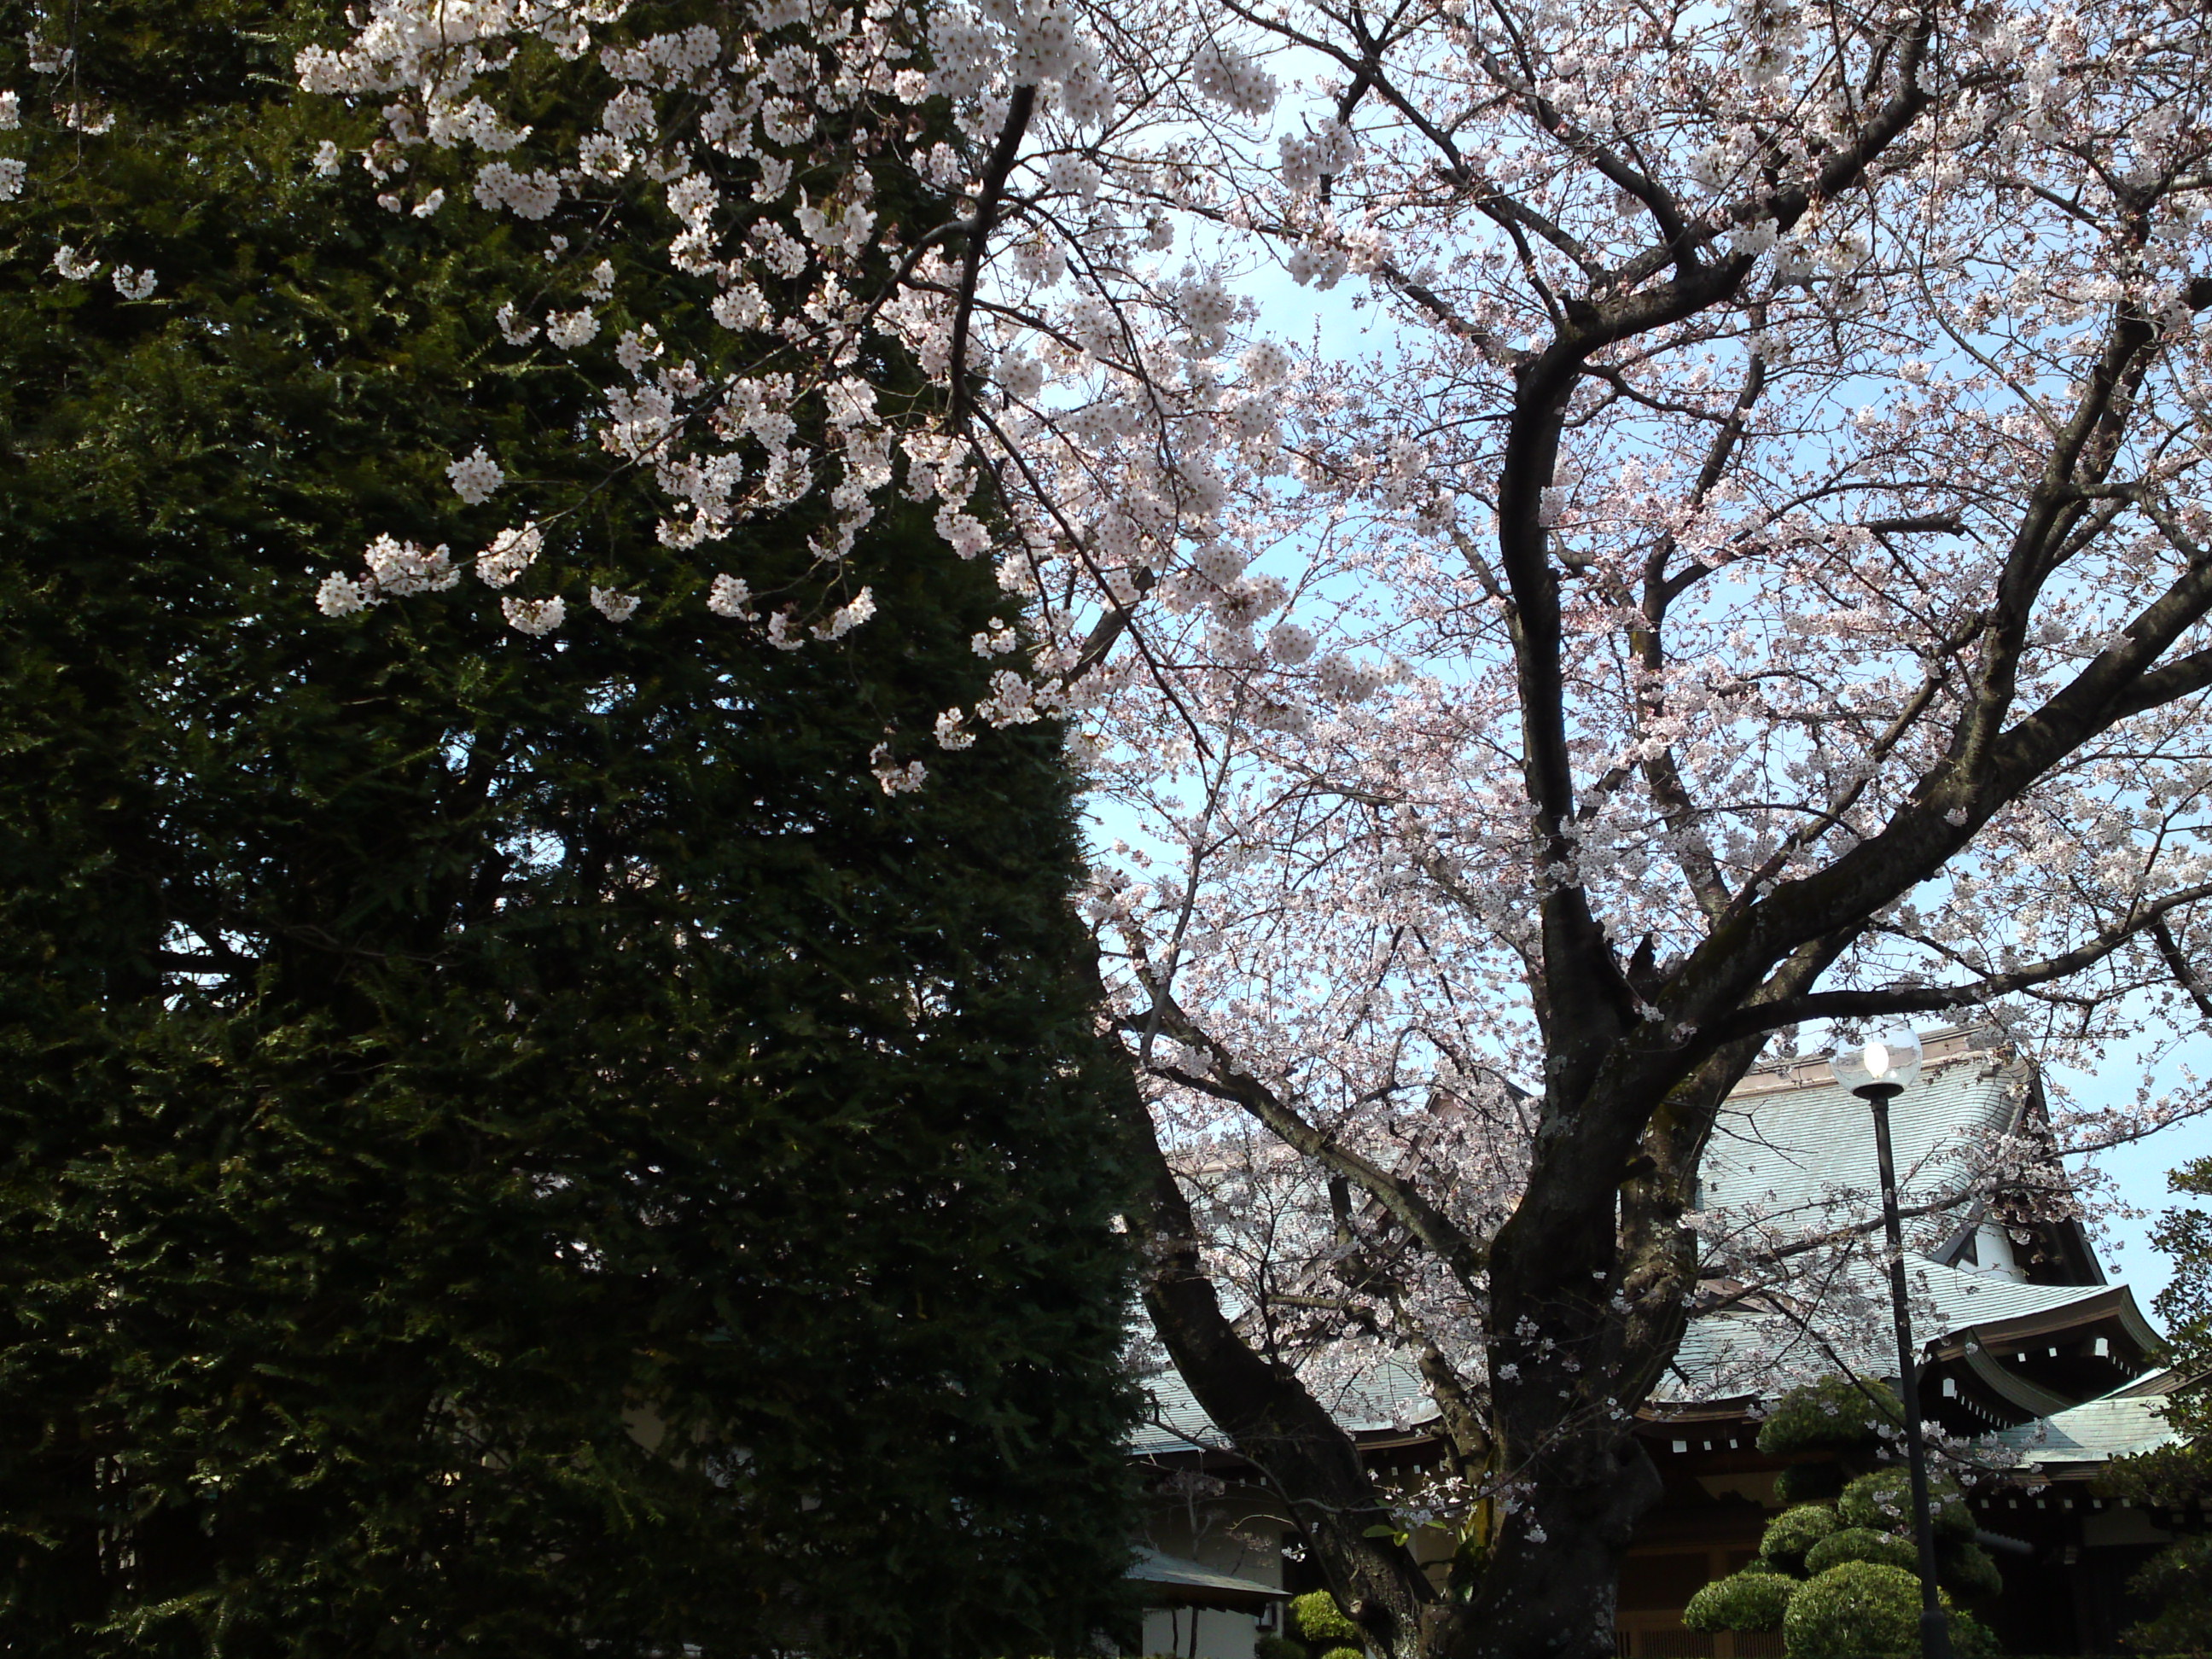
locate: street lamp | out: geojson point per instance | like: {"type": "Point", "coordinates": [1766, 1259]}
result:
{"type": "Point", "coordinates": [1877, 1073]}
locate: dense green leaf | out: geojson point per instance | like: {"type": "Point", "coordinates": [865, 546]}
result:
{"type": "Point", "coordinates": [512, 1146]}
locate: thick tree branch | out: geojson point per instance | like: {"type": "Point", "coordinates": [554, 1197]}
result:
{"type": "Point", "coordinates": [2082, 455]}
{"type": "Point", "coordinates": [1269, 1414]}
{"type": "Point", "coordinates": [1464, 1257]}
{"type": "Point", "coordinates": [2186, 973]}
{"type": "Point", "coordinates": [990, 194]}
{"type": "Point", "coordinates": [1938, 999]}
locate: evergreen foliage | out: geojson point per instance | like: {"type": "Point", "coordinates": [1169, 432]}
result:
{"type": "Point", "coordinates": [1841, 1425]}
{"type": "Point", "coordinates": [2178, 1581]}
{"type": "Point", "coordinates": [1861, 1544]}
{"type": "Point", "coordinates": [2185, 1305]}
{"type": "Point", "coordinates": [1829, 1575]}
{"type": "Point", "coordinates": [1320, 1619]}
{"type": "Point", "coordinates": [1883, 1500]}
{"type": "Point", "coordinates": [1863, 1609]}
{"type": "Point", "coordinates": [1794, 1531]}
{"type": "Point", "coordinates": [1810, 1483]}
{"type": "Point", "coordinates": [1846, 1416]}
{"type": "Point", "coordinates": [1969, 1572]}
{"type": "Point", "coordinates": [1747, 1601]}
{"type": "Point", "coordinates": [512, 1146]}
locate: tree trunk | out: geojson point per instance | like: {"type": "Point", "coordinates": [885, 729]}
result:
{"type": "Point", "coordinates": [1586, 1286]}
{"type": "Point", "coordinates": [1550, 1585]}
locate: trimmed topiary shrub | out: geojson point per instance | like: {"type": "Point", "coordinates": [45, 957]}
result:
{"type": "Point", "coordinates": [1793, 1532]}
{"type": "Point", "coordinates": [1346, 1653]}
{"type": "Point", "coordinates": [1835, 1414]}
{"type": "Point", "coordinates": [1837, 1571]}
{"type": "Point", "coordinates": [1971, 1638]}
{"type": "Point", "coordinates": [1321, 1620]}
{"type": "Point", "coordinates": [1749, 1600]}
{"type": "Point", "coordinates": [1859, 1610]}
{"type": "Point", "coordinates": [1809, 1483]}
{"type": "Point", "coordinates": [1883, 1502]}
{"type": "Point", "coordinates": [1861, 1544]}
{"type": "Point", "coordinates": [1867, 1610]}
{"type": "Point", "coordinates": [1968, 1572]}
{"type": "Point", "coordinates": [1277, 1647]}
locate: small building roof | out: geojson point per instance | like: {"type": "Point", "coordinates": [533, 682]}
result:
{"type": "Point", "coordinates": [2080, 1439]}
{"type": "Point", "coordinates": [1169, 1581]}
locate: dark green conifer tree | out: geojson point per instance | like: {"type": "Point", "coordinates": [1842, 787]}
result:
{"type": "Point", "coordinates": [508, 1145]}
{"type": "Point", "coordinates": [2176, 1584]}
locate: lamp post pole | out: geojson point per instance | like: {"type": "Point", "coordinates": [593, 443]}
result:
{"type": "Point", "coordinates": [1934, 1631]}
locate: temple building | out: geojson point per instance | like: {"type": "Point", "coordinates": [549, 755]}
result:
{"type": "Point", "coordinates": [2029, 1360]}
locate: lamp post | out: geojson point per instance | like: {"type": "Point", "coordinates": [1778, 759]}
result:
{"type": "Point", "coordinates": [1877, 1073]}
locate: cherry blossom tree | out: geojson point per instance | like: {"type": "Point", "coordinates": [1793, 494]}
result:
{"type": "Point", "coordinates": [1754, 576]}
{"type": "Point", "coordinates": [1777, 515]}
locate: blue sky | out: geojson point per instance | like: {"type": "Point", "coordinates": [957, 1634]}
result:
{"type": "Point", "coordinates": [2139, 1171]}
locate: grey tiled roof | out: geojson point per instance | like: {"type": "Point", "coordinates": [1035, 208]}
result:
{"type": "Point", "coordinates": [2127, 1420]}
{"type": "Point", "coordinates": [1798, 1145]}
{"type": "Point", "coordinates": [1964, 1298]}
{"type": "Point", "coordinates": [1174, 1422]}
{"type": "Point", "coordinates": [1793, 1150]}
{"type": "Point", "coordinates": [1152, 1567]}
{"type": "Point", "coordinates": [1389, 1397]}
{"type": "Point", "coordinates": [1729, 1355]}
{"type": "Point", "coordinates": [1722, 1357]}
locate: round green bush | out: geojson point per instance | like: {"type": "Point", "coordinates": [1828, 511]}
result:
{"type": "Point", "coordinates": [1809, 1483]}
{"type": "Point", "coordinates": [1793, 1532]}
{"type": "Point", "coordinates": [1859, 1610]}
{"type": "Point", "coordinates": [1834, 1414]}
{"type": "Point", "coordinates": [1277, 1647]}
{"type": "Point", "coordinates": [1861, 1544]}
{"type": "Point", "coordinates": [1749, 1600]}
{"type": "Point", "coordinates": [1968, 1571]}
{"type": "Point", "coordinates": [1345, 1653]}
{"type": "Point", "coordinates": [1865, 1610]}
{"type": "Point", "coordinates": [1883, 1501]}
{"type": "Point", "coordinates": [1321, 1620]}
{"type": "Point", "coordinates": [1971, 1638]}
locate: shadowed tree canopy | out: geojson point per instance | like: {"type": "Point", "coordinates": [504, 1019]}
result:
{"type": "Point", "coordinates": [512, 1144]}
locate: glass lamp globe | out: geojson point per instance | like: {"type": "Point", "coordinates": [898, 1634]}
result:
{"type": "Point", "coordinates": [1890, 1058]}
